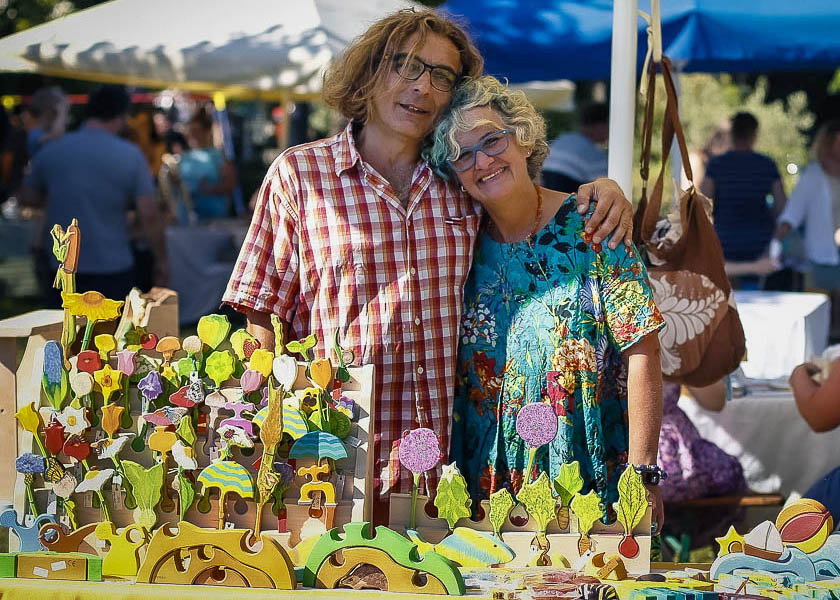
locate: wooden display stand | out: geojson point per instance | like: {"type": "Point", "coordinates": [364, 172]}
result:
{"type": "Point", "coordinates": [605, 538]}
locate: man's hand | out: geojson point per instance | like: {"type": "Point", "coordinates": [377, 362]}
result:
{"type": "Point", "coordinates": [613, 212]}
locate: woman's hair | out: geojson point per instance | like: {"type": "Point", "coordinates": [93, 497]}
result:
{"type": "Point", "coordinates": [516, 112]}
{"type": "Point", "coordinates": [824, 139]}
{"type": "Point", "coordinates": [349, 83]}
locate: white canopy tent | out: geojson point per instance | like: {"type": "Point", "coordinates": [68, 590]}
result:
{"type": "Point", "coordinates": [257, 48]}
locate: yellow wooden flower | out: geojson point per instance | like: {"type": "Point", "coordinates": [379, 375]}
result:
{"type": "Point", "coordinates": [111, 416]}
{"type": "Point", "coordinates": [109, 381]}
{"type": "Point", "coordinates": [170, 374]}
{"type": "Point", "coordinates": [261, 360]}
{"type": "Point", "coordinates": [106, 344]}
{"type": "Point", "coordinates": [29, 418]}
{"type": "Point", "coordinates": [92, 305]}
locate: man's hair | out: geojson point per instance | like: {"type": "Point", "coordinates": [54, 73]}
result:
{"type": "Point", "coordinates": [517, 114]}
{"type": "Point", "coordinates": [46, 101]}
{"type": "Point", "coordinates": [108, 102]}
{"type": "Point", "coordinates": [202, 117]}
{"type": "Point", "coordinates": [824, 140]}
{"type": "Point", "coordinates": [349, 82]}
{"type": "Point", "coordinates": [744, 126]}
{"type": "Point", "coordinates": [595, 114]}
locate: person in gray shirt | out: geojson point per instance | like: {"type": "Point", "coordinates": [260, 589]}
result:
{"type": "Point", "coordinates": [95, 176]}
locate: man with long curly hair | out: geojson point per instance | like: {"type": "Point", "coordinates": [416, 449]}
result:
{"type": "Point", "coordinates": [356, 234]}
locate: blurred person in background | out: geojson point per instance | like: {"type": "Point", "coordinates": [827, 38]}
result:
{"type": "Point", "coordinates": [577, 158]}
{"type": "Point", "coordinates": [209, 176]}
{"type": "Point", "coordinates": [49, 110]}
{"type": "Point", "coordinates": [95, 176]}
{"type": "Point", "coordinates": [739, 182]}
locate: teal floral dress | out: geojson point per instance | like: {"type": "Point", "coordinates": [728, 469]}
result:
{"type": "Point", "coordinates": [546, 320]}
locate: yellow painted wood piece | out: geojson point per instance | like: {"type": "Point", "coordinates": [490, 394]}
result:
{"type": "Point", "coordinates": [399, 578]}
{"type": "Point", "coordinates": [309, 488]}
{"type": "Point", "coordinates": [123, 558]}
{"type": "Point", "coordinates": [62, 566]}
{"type": "Point", "coordinates": [212, 553]}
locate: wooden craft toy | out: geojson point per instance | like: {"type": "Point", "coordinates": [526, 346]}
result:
{"type": "Point", "coordinates": [567, 483]}
{"type": "Point", "coordinates": [123, 557]}
{"type": "Point", "coordinates": [147, 485]}
{"type": "Point", "coordinates": [54, 539]}
{"type": "Point", "coordinates": [66, 566]}
{"type": "Point", "coordinates": [501, 503]}
{"type": "Point", "coordinates": [385, 561]}
{"type": "Point", "coordinates": [28, 536]}
{"type": "Point", "coordinates": [536, 424]}
{"type": "Point", "coordinates": [452, 499]}
{"type": "Point", "coordinates": [419, 452]}
{"type": "Point", "coordinates": [150, 388]}
{"type": "Point", "coordinates": [193, 555]}
{"type": "Point", "coordinates": [805, 524]}
{"type": "Point", "coordinates": [630, 508]}
{"type": "Point", "coordinates": [764, 551]}
{"type": "Point", "coordinates": [467, 548]}
{"type": "Point", "coordinates": [66, 246]}
{"type": "Point", "coordinates": [606, 567]}
{"type": "Point", "coordinates": [588, 509]}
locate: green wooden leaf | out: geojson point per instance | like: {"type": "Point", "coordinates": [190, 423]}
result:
{"type": "Point", "coordinates": [186, 431]}
{"type": "Point", "coordinates": [184, 366]}
{"type": "Point", "coordinates": [539, 501]}
{"type": "Point", "coordinates": [501, 503]}
{"type": "Point", "coordinates": [213, 329]}
{"type": "Point", "coordinates": [587, 509]}
{"type": "Point", "coordinates": [632, 499]}
{"type": "Point", "coordinates": [568, 482]}
{"type": "Point", "coordinates": [186, 492]}
{"type": "Point", "coordinates": [277, 326]}
{"type": "Point", "coordinates": [452, 499]}
{"type": "Point", "coordinates": [219, 366]}
{"type": "Point", "coordinates": [146, 485]}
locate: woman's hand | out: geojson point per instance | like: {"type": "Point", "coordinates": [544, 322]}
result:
{"type": "Point", "coordinates": [657, 510]}
{"type": "Point", "coordinates": [613, 212]}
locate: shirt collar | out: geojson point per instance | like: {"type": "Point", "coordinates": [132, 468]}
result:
{"type": "Point", "coordinates": [347, 155]}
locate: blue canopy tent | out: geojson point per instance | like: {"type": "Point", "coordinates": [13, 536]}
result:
{"type": "Point", "coordinates": [566, 39]}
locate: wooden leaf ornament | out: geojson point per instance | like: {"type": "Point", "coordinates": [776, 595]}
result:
{"type": "Point", "coordinates": [186, 432]}
{"type": "Point", "coordinates": [452, 499]}
{"type": "Point", "coordinates": [147, 485]}
{"type": "Point", "coordinates": [501, 503]}
{"type": "Point", "coordinates": [284, 368]}
{"type": "Point", "coordinates": [303, 346]}
{"type": "Point", "coordinates": [538, 501]}
{"type": "Point", "coordinates": [320, 372]}
{"type": "Point", "coordinates": [219, 366]}
{"type": "Point", "coordinates": [630, 508]}
{"type": "Point", "coordinates": [213, 329]}
{"type": "Point", "coordinates": [568, 482]}
{"type": "Point", "coordinates": [587, 509]}
{"type": "Point", "coordinates": [54, 380]}
{"type": "Point", "coordinates": [186, 494]}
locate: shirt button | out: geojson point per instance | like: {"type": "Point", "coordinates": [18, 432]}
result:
{"type": "Point", "coordinates": [413, 271]}
{"type": "Point", "coordinates": [416, 320]}
{"type": "Point", "coordinates": [419, 370]}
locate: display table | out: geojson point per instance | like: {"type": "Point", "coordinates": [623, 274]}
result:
{"type": "Point", "coordinates": [201, 259]}
{"type": "Point", "coordinates": [783, 329]}
{"type": "Point", "coordinates": [764, 430]}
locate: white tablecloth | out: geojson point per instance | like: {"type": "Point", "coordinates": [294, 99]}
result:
{"type": "Point", "coordinates": [783, 329]}
{"type": "Point", "coordinates": [201, 259]}
{"type": "Point", "coordinates": [779, 452]}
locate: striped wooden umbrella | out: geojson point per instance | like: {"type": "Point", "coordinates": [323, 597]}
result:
{"type": "Point", "coordinates": [226, 476]}
{"type": "Point", "coordinates": [318, 445]}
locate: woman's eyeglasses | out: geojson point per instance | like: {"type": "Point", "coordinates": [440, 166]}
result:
{"type": "Point", "coordinates": [442, 78]}
{"type": "Point", "coordinates": [491, 144]}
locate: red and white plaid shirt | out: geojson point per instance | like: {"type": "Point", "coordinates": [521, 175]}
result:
{"type": "Point", "coordinates": [331, 247]}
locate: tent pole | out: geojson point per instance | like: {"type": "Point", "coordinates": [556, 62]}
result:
{"type": "Point", "coordinates": [623, 93]}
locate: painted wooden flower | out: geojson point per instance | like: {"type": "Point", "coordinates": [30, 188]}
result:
{"type": "Point", "coordinates": [162, 440]}
{"type": "Point", "coordinates": [94, 480]}
{"type": "Point", "coordinates": [111, 416]}
{"type": "Point", "coordinates": [151, 386]}
{"type": "Point", "coordinates": [65, 486]}
{"type": "Point", "coordinates": [192, 345]}
{"type": "Point", "coordinates": [91, 305]}
{"type": "Point", "coordinates": [30, 463]}
{"type": "Point", "coordinates": [54, 436]}
{"type": "Point", "coordinates": [76, 447]}
{"type": "Point", "coordinates": [29, 418]}
{"type": "Point", "coordinates": [219, 366]}
{"type": "Point", "coordinates": [235, 436]}
{"type": "Point", "coordinates": [243, 343]}
{"type": "Point", "coordinates": [108, 448]}
{"type": "Point", "coordinates": [109, 381]}
{"type": "Point", "coordinates": [184, 456]}
{"type": "Point", "coordinates": [419, 450]}
{"type": "Point", "coordinates": [105, 343]}
{"type": "Point", "coordinates": [320, 371]}
{"type": "Point", "coordinates": [536, 424]}
{"type": "Point", "coordinates": [308, 399]}
{"type": "Point", "coordinates": [88, 361]}
{"type": "Point", "coordinates": [127, 362]}
{"type": "Point", "coordinates": [169, 373]}
{"type": "Point", "coordinates": [261, 360]}
{"type": "Point", "coordinates": [250, 381]}
{"type": "Point", "coordinates": [74, 420]}
{"type": "Point", "coordinates": [81, 383]}
{"type": "Point", "coordinates": [54, 379]}
{"type": "Point", "coordinates": [285, 370]}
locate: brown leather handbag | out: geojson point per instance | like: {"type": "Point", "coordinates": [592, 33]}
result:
{"type": "Point", "coordinates": [703, 339]}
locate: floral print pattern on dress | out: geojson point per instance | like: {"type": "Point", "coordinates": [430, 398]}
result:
{"type": "Point", "coordinates": [546, 320]}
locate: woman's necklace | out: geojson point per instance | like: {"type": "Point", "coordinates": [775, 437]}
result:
{"type": "Point", "coordinates": [537, 219]}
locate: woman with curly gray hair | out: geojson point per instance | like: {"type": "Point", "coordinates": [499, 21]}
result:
{"type": "Point", "coordinates": [548, 317]}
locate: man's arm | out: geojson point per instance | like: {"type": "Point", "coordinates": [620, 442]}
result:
{"type": "Point", "coordinates": [260, 326]}
{"type": "Point", "coordinates": [613, 211]}
{"type": "Point", "coordinates": [817, 403]}
{"type": "Point", "coordinates": [779, 197]}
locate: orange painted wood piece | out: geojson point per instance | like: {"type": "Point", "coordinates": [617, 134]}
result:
{"type": "Point", "coordinates": [54, 538]}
